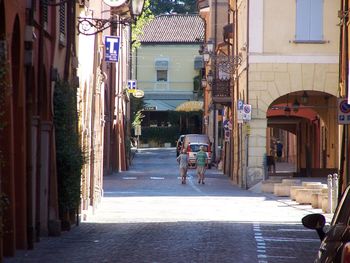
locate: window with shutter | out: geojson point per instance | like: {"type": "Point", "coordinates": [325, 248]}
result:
{"type": "Point", "coordinates": [44, 11]}
{"type": "Point", "coordinates": [62, 23]}
{"type": "Point", "coordinates": [309, 21]}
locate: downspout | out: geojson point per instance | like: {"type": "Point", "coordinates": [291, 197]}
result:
{"type": "Point", "coordinates": [340, 79]}
{"type": "Point", "coordinates": [346, 86]}
{"type": "Point", "coordinates": [237, 97]}
{"type": "Point", "coordinates": [214, 108]}
{"type": "Point", "coordinates": [247, 93]}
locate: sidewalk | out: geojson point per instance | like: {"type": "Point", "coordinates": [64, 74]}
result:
{"type": "Point", "coordinates": [287, 200]}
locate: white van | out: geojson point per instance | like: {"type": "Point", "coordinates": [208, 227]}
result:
{"type": "Point", "coordinates": [192, 142]}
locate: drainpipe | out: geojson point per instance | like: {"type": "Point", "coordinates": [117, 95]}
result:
{"type": "Point", "coordinates": [214, 108]}
{"type": "Point", "coordinates": [346, 86]}
{"type": "Point", "coordinates": [247, 93]}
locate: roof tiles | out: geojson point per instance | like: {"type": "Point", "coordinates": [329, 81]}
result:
{"type": "Point", "coordinates": [179, 28]}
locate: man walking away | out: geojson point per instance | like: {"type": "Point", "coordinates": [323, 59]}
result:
{"type": "Point", "coordinates": [201, 160]}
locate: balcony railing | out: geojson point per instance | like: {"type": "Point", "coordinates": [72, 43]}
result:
{"type": "Point", "coordinates": [221, 91]}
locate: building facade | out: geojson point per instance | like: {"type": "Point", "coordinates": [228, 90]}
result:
{"type": "Point", "coordinates": [168, 66]}
{"type": "Point", "coordinates": [285, 73]}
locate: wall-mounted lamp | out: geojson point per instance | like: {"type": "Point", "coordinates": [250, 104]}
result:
{"type": "Point", "coordinates": [295, 105]}
{"type": "Point", "coordinates": [92, 26]}
{"type": "Point", "coordinates": [210, 46]}
{"type": "Point", "coordinates": [204, 82]}
{"type": "Point", "coordinates": [210, 77]}
{"type": "Point", "coordinates": [206, 55]}
{"type": "Point", "coordinates": [305, 98]}
{"type": "Point", "coordinates": [287, 111]}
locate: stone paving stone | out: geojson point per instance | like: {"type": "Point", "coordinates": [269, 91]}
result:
{"type": "Point", "coordinates": [161, 221]}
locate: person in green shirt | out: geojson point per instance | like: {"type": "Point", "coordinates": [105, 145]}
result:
{"type": "Point", "coordinates": [201, 161]}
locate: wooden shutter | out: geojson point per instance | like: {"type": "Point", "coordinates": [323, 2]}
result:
{"type": "Point", "coordinates": [303, 20]}
{"type": "Point", "coordinates": [316, 20]}
{"type": "Point", "coordinates": [63, 19]}
{"type": "Point", "coordinates": [44, 8]}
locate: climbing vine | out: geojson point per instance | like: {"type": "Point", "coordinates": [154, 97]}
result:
{"type": "Point", "coordinates": [69, 154]}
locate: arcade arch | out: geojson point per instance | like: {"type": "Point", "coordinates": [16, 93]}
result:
{"type": "Point", "coordinates": [305, 122]}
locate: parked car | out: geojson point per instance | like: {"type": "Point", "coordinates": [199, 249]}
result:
{"type": "Point", "coordinates": [193, 149]}
{"type": "Point", "coordinates": [179, 144]}
{"type": "Point", "coordinates": [196, 138]}
{"type": "Point", "coordinates": [335, 241]}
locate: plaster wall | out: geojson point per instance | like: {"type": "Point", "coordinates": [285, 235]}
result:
{"type": "Point", "coordinates": [180, 67]}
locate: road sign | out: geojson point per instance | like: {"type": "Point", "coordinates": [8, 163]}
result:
{"type": "Point", "coordinates": [247, 112]}
{"type": "Point", "coordinates": [343, 111]}
{"type": "Point", "coordinates": [112, 48]}
{"type": "Point", "coordinates": [132, 84]}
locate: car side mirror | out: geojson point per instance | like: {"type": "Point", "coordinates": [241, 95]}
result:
{"type": "Point", "coordinates": [316, 222]}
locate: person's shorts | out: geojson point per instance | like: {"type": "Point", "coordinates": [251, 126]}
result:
{"type": "Point", "coordinates": [200, 169]}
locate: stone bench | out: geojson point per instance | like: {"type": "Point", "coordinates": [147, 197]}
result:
{"type": "Point", "coordinates": [304, 196]}
{"type": "Point", "coordinates": [305, 185]}
{"type": "Point", "coordinates": [268, 185]}
{"type": "Point", "coordinates": [283, 189]}
{"type": "Point", "coordinates": [316, 198]}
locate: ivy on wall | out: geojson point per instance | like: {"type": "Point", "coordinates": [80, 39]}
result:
{"type": "Point", "coordinates": [69, 154]}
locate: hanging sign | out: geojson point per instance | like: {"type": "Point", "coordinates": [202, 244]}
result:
{"type": "Point", "coordinates": [343, 111]}
{"type": "Point", "coordinates": [138, 93]}
{"type": "Point", "coordinates": [112, 48]}
{"type": "Point", "coordinates": [114, 3]}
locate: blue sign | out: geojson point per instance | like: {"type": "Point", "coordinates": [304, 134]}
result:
{"type": "Point", "coordinates": [131, 84]}
{"type": "Point", "coordinates": [112, 48]}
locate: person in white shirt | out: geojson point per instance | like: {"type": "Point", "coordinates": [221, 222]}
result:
{"type": "Point", "coordinates": [182, 159]}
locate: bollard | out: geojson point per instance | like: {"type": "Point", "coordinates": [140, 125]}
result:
{"type": "Point", "coordinates": [335, 184]}
{"type": "Point", "coordinates": [330, 190]}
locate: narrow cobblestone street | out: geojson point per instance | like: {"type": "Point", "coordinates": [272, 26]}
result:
{"type": "Point", "coordinates": [148, 216]}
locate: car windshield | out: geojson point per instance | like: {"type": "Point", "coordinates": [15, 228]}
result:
{"type": "Point", "coordinates": [196, 147]}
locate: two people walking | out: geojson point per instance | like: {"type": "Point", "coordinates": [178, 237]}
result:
{"type": "Point", "coordinates": [201, 161]}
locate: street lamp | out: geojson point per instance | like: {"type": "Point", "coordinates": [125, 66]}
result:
{"type": "Point", "coordinates": [210, 77]}
{"type": "Point", "coordinates": [204, 82]}
{"type": "Point", "coordinates": [92, 26]}
{"type": "Point", "coordinates": [137, 7]}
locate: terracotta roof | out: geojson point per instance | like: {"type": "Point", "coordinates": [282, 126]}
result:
{"type": "Point", "coordinates": [179, 28]}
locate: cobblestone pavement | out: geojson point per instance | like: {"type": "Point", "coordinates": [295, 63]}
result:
{"type": "Point", "coordinates": [148, 216]}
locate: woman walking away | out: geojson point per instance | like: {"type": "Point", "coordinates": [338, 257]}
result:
{"type": "Point", "coordinates": [182, 159]}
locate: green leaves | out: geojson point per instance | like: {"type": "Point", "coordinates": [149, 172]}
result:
{"type": "Point", "coordinates": [69, 155]}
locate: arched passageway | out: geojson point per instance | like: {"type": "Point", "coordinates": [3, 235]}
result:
{"type": "Point", "coordinates": [302, 126]}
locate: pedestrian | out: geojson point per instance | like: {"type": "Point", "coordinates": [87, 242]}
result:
{"type": "Point", "coordinates": [182, 159]}
{"type": "Point", "coordinates": [279, 149]}
{"type": "Point", "coordinates": [201, 161]}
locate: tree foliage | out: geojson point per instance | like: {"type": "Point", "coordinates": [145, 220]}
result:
{"type": "Point", "coordinates": [142, 21]}
{"type": "Point", "coordinates": [173, 6]}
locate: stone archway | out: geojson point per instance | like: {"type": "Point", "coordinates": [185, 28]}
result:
{"type": "Point", "coordinates": [305, 123]}
{"type": "Point", "coordinates": [19, 130]}
{"type": "Point", "coordinates": [267, 83]}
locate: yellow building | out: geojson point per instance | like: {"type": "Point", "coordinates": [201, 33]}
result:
{"type": "Point", "coordinates": [288, 74]}
{"type": "Point", "coordinates": [168, 65]}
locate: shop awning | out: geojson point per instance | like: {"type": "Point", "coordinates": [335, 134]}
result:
{"type": "Point", "coordinates": [162, 105]}
{"type": "Point", "coordinates": [190, 106]}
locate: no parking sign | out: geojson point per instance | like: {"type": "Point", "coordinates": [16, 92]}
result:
{"type": "Point", "coordinates": [343, 111]}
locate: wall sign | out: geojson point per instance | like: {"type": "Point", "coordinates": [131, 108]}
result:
{"type": "Point", "coordinates": [343, 111]}
{"type": "Point", "coordinates": [112, 48]}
